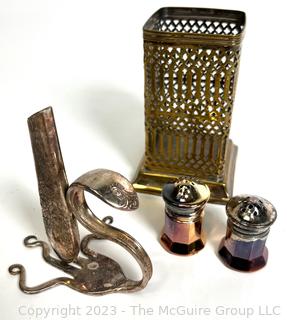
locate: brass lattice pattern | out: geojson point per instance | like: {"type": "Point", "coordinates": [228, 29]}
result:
{"type": "Point", "coordinates": [189, 91]}
{"type": "Point", "coordinates": [188, 101]}
{"type": "Point", "coordinates": [170, 24]}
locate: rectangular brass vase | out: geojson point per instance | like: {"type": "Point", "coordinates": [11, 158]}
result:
{"type": "Point", "coordinates": [191, 59]}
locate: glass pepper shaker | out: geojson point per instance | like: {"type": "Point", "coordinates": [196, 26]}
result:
{"type": "Point", "coordinates": [184, 204]}
{"type": "Point", "coordinates": [248, 225]}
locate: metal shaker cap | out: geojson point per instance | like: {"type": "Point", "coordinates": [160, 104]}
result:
{"type": "Point", "coordinates": [185, 194]}
{"type": "Point", "coordinates": [251, 213]}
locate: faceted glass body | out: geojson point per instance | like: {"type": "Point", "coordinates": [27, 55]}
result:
{"type": "Point", "coordinates": [182, 237]}
{"type": "Point", "coordinates": [243, 255]}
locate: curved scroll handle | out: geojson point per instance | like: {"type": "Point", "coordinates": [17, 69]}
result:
{"type": "Point", "coordinates": [117, 191]}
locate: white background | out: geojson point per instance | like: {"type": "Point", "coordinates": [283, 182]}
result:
{"type": "Point", "coordinates": [85, 59]}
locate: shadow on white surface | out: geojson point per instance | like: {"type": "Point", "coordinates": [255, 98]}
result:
{"type": "Point", "coordinates": [151, 213]}
{"type": "Point", "coordinates": [22, 207]}
{"type": "Point", "coordinates": [214, 225]}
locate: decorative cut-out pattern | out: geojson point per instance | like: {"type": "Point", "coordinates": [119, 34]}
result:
{"type": "Point", "coordinates": [198, 26]}
{"type": "Point", "coordinates": [189, 94]}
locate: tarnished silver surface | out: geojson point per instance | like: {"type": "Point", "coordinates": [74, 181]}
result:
{"type": "Point", "coordinates": [117, 191]}
{"type": "Point", "coordinates": [60, 224]}
{"type": "Point", "coordinates": [250, 217]}
{"type": "Point", "coordinates": [185, 196]}
{"type": "Point", "coordinates": [94, 274]}
{"type": "Point", "coordinates": [62, 206]}
{"type": "Point", "coordinates": [109, 186]}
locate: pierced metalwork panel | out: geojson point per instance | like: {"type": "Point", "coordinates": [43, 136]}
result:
{"type": "Point", "coordinates": [191, 59]}
{"type": "Point", "coordinates": [189, 100]}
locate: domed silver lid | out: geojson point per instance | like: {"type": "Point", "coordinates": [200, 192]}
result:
{"type": "Point", "coordinates": [185, 195]}
{"type": "Point", "coordinates": [251, 214]}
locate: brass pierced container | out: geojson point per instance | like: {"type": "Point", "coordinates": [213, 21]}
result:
{"type": "Point", "coordinates": [191, 59]}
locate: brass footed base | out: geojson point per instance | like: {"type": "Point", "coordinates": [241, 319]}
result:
{"type": "Point", "coordinates": [152, 181]}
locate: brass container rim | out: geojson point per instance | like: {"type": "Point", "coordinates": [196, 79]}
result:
{"type": "Point", "coordinates": [150, 32]}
